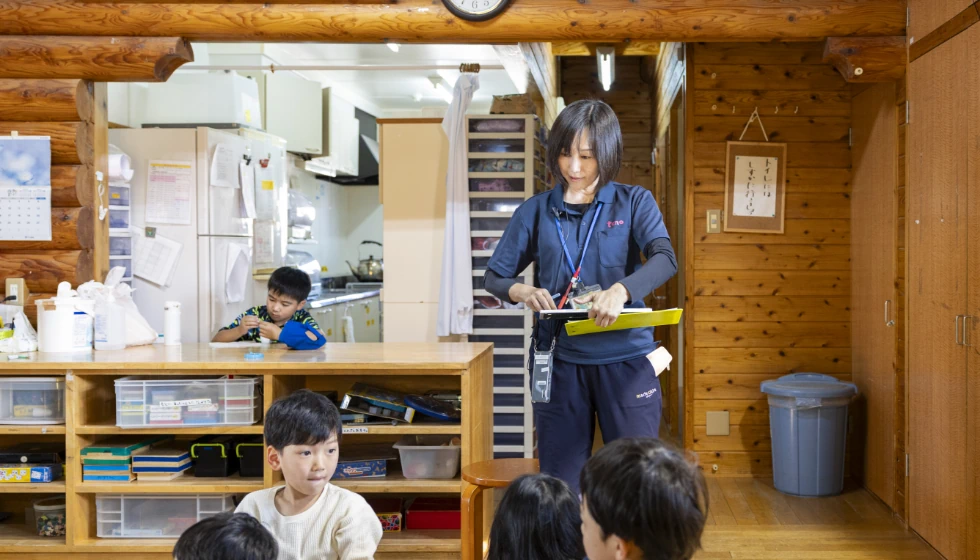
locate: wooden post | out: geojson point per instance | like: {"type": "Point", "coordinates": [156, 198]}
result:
{"type": "Point", "coordinates": [115, 59]}
{"type": "Point", "coordinates": [867, 59]}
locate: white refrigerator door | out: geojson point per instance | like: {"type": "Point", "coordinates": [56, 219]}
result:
{"type": "Point", "coordinates": [221, 207]}
{"type": "Point", "coordinates": [271, 184]}
{"type": "Point", "coordinates": [143, 145]}
{"type": "Point", "coordinates": [220, 310]}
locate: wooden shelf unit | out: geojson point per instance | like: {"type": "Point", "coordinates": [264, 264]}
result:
{"type": "Point", "coordinates": [90, 412]}
{"type": "Point", "coordinates": [490, 211]}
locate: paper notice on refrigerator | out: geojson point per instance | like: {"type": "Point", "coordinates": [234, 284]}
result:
{"type": "Point", "coordinates": [237, 272]}
{"type": "Point", "coordinates": [224, 172]}
{"type": "Point", "coordinates": [155, 258]}
{"type": "Point", "coordinates": [247, 174]}
{"type": "Point", "coordinates": [265, 239]}
{"type": "Point", "coordinates": [169, 186]}
{"type": "Point", "coordinates": [265, 193]}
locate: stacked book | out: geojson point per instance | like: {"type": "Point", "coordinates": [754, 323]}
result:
{"type": "Point", "coordinates": [112, 460]}
{"type": "Point", "coordinates": [161, 464]}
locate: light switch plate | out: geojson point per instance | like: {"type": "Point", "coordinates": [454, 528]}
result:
{"type": "Point", "coordinates": [714, 221]}
{"type": "Point", "coordinates": [718, 423]}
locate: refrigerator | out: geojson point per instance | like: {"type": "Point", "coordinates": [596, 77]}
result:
{"type": "Point", "coordinates": [219, 223]}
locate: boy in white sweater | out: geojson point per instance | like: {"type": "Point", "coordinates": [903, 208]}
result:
{"type": "Point", "coordinates": [311, 518]}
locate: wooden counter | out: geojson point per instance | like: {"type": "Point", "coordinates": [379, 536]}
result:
{"type": "Point", "coordinates": [90, 417]}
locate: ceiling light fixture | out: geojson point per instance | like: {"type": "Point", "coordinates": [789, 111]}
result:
{"type": "Point", "coordinates": [393, 46]}
{"type": "Point", "coordinates": [606, 58]}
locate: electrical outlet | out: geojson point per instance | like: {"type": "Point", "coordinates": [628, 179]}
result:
{"type": "Point", "coordinates": [714, 221]}
{"type": "Point", "coordinates": [717, 423]}
{"type": "Point", "coordinates": [16, 288]}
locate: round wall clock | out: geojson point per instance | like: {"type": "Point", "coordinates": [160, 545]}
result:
{"type": "Point", "coordinates": [476, 10]}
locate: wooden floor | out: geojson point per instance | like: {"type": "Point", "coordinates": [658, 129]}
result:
{"type": "Point", "coordinates": [748, 519]}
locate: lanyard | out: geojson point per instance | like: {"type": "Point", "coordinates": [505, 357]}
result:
{"type": "Point", "coordinates": [568, 258]}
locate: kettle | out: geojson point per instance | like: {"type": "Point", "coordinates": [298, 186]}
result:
{"type": "Point", "coordinates": [369, 269]}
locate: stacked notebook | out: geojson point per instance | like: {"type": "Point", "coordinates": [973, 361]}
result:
{"type": "Point", "coordinates": [112, 460]}
{"type": "Point", "coordinates": [161, 464]}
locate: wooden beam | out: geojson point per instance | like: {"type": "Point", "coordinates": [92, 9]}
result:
{"type": "Point", "coordinates": [958, 24]}
{"type": "Point", "coordinates": [45, 100]}
{"type": "Point", "coordinates": [103, 59]}
{"type": "Point", "coordinates": [71, 229]}
{"type": "Point", "coordinates": [99, 148]}
{"type": "Point", "coordinates": [867, 59]}
{"type": "Point", "coordinates": [43, 270]}
{"type": "Point", "coordinates": [71, 185]}
{"type": "Point", "coordinates": [71, 142]}
{"type": "Point", "coordinates": [423, 21]}
{"type": "Point", "coordinates": [623, 48]}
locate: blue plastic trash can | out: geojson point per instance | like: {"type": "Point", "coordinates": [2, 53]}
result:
{"type": "Point", "coordinates": [808, 427]}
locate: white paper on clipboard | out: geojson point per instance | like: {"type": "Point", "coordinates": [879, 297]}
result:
{"type": "Point", "coordinates": [169, 185]}
{"type": "Point", "coordinates": [223, 171]}
{"type": "Point", "coordinates": [155, 258]}
{"type": "Point", "coordinates": [237, 272]}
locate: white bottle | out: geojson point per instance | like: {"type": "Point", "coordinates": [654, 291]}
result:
{"type": "Point", "coordinates": [110, 325]}
{"type": "Point", "coordinates": [171, 323]}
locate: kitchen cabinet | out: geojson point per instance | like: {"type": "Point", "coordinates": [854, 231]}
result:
{"type": "Point", "coordinates": [341, 137]}
{"type": "Point", "coordinates": [326, 317]}
{"type": "Point", "coordinates": [294, 111]}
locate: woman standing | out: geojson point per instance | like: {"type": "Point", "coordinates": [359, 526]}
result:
{"type": "Point", "coordinates": [588, 230]}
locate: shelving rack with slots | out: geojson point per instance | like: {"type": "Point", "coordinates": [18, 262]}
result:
{"type": "Point", "coordinates": [90, 418]}
{"type": "Point", "coordinates": [524, 140]}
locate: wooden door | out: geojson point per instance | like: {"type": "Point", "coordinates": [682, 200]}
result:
{"type": "Point", "coordinates": [873, 285]}
{"type": "Point", "coordinates": [937, 285]}
{"type": "Point", "coordinates": [972, 86]}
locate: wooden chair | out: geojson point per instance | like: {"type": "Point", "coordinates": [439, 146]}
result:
{"type": "Point", "coordinates": [497, 473]}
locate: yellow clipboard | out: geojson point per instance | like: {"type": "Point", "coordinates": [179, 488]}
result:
{"type": "Point", "coordinates": [627, 321]}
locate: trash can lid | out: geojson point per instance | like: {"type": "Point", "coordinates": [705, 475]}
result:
{"type": "Point", "coordinates": [809, 385]}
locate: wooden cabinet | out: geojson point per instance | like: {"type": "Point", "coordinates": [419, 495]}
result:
{"type": "Point", "coordinates": [294, 111]}
{"type": "Point", "coordinates": [341, 134]}
{"type": "Point", "coordinates": [944, 296]}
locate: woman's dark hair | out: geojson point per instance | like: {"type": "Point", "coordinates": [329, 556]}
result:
{"type": "Point", "coordinates": [301, 418]}
{"type": "Point", "coordinates": [227, 536]}
{"type": "Point", "coordinates": [538, 519]}
{"type": "Point", "coordinates": [605, 138]}
{"type": "Point", "coordinates": [646, 493]}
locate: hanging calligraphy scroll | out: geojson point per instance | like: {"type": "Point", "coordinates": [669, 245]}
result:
{"type": "Point", "coordinates": [755, 187]}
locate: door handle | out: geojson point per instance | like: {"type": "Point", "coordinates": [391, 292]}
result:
{"type": "Point", "coordinates": [888, 322]}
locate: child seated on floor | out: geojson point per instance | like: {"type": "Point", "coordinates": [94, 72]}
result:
{"type": "Point", "coordinates": [282, 318]}
{"type": "Point", "coordinates": [310, 518]}
{"type": "Point", "coordinates": [642, 501]}
{"type": "Point", "coordinates": [226, 536]}
{"type": "Point", "coordinates": [537, 519]}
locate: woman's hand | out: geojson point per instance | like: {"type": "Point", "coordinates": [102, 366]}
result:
{"type": "Point", "coordinates": [607, 304]}
{"type": "Point", "coordinates": [536, 299]}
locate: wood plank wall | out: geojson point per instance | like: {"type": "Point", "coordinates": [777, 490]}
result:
{"type": "Point", "coordinates": [766, 305]}
{"type": "Point", "coordinates": [901, 402]}
{"type": "Point", "coordinates": [629, 96]}
{"type": "Point", "coordinates": [73, 113]}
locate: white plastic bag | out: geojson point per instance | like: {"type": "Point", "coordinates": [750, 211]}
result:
{"type": "Point", "coordinates": [25, 337]}
{"type": "Point", "coordinates": [115, 293]}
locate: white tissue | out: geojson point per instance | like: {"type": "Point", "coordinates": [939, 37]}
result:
{"type": "Point", "coordinates": [660, 359]}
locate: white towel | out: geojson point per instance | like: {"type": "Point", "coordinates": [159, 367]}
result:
{"type": "Point", "coordinates": [660, 359]}
{"type": "Point", "coordinates": [348, 328]}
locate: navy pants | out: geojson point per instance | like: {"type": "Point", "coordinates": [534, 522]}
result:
{"type": "Point", "coordinates": [625, 396]}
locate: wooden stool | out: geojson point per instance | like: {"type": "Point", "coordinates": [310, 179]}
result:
{"type": "Point", "coordinates": [497, 473]}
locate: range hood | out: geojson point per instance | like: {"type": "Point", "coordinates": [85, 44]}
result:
{"type": "Point", "coordinates": [368, 155]}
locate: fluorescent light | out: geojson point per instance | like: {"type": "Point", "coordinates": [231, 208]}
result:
{"type": "Point", "coordinates": [606, 58]}
{"type": "Point", "coordinates": [393, 46]}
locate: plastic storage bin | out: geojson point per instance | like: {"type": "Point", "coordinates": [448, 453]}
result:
{"type": "Point", "coordinates": [121, 246]}
{"type": "Point", "coordinates": [215, 456]}
{"type": "Point", "coordinates": [202, 401]}
{"type": "Point", "coordinates": [808, 426]}
{"type": "Point", "coordinates": [118, 195]}
{"type": "Point", "coordinates": [251, 457]}
{"type": "Point", "coordinates": [428, 456]}
{"type": "Point", "coordinates": [49, 517]}
{"type": "Point", "coordinates": [125, 262]}
{"type": "Point", "coordinates": [32, 400]}
{"type": "Point", "coordinates": [148, 516]}
{"type": "Point", "coordinates": [119, 218]}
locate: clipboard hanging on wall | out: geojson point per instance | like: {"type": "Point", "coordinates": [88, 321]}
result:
{"type": "Point", "coordinates": [755, 184]}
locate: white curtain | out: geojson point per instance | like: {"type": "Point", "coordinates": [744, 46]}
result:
{"type": "Point", "coordinates": [456, 289]}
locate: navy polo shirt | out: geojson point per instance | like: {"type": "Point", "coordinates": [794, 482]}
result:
{"type": "Point", "coordinates": [628, 221]}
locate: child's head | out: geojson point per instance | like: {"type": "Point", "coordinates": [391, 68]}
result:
{"type": "Point", "coordinates": [288, 289]}
{"type": "Point", "coordinates": [537, 519]}
{"type": "Point", "coordinates": [302, 432]}
{"type": "Point", "coordinates": [642, 500]}
{"type": "Point", "coordinates": [227, 536]}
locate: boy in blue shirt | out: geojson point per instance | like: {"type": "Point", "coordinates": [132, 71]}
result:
{"type": "Point", "coordinates": [282, 318]}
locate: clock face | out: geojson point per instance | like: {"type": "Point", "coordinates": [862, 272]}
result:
{"type": "Point", "coordinates": [476, 10]}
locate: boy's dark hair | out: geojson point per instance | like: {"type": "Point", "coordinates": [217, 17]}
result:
{"type": "Point", "coordinates": [291, 282]}
{"type": "Point", "coordinates": [537, 519]}
{"type": "Point", "coordinates": [646, 493]}
{"type": "Point", "coordinates": [605, 137]}
{"type": "Point", "coordinates": [302, 418]}
{"type": "Point", "coordinates": [227, 536]}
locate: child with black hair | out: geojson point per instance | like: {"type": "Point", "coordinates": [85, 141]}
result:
{"type": "Point", "coordinates": [227, 536]}
{"type": "Point", "coordinates": [282, 318]}
{"type": "Point", "coordinates": [537, 519]}
{"type": "Point", "coordinates": [642, 500]}
{"type": "Point", "coordinates": [311, 518]}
